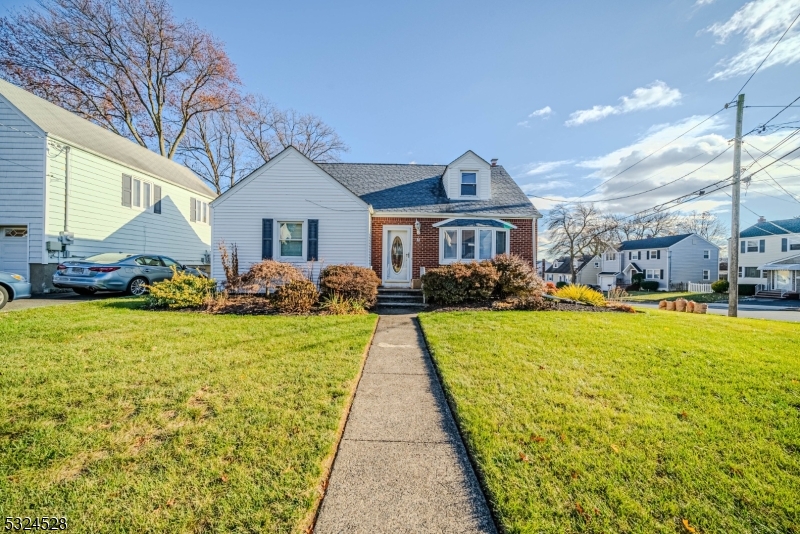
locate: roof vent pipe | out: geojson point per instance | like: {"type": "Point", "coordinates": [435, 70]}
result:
{"type": "Point", "coordinates": [762, 219]}
{"type": "Point", "coordinates": [494, 162]}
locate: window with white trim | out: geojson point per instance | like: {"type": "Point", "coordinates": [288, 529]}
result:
{"type": "Point", "coordinates": [290, 236]}
{"type": "Point", "coordinates": [706, 274]}
{"type": "Point", "coordinates": [653, 254]}
{"type": "Point", "coordinates": [750, 272]}
{"type": "Point", "coordinates": [706, 254]}
{"type": "Point", "coordinates": [752, 245]}
{"type": "Point", "coordinates": [469, 184]}
{"type": "Point", "coordinates": [794, 243]}
{"type": "Point", "coordinates": [610, 256]}
{"type": "Point", "coordinates": [597, 265]}
{"type": "Point", "coordinates": [200, 211]}
{"type": "Point", "coordinates": [652, 274]}
{"type": "Point", "coordinates": [468, 244]}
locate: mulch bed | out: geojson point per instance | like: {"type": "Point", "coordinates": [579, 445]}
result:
{"type": "Point", "coordinates": [487, 306]}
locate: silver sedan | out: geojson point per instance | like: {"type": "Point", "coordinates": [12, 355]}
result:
{"type": "Point", "coordinates": [131, 273]}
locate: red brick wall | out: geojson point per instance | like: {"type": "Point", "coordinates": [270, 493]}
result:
{"type": "Point", "coordinates": [425, 247]}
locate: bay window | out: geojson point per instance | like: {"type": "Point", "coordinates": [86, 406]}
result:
{"type": "Point", "coordinates": [468, 244]}
{"type": "Point", "coordinates": [501, 247]}
{"type": "Point", "coordinates": [450, 244]}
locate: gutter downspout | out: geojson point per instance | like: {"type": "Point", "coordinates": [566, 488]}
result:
{"type": "Point", "coordinates": [66, 191]}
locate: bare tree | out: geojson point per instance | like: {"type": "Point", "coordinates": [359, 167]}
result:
{"type": "Point", "coordinates": [644, 226]}
{"type": "Point", "coordinates": [126, 65]}
{"type": "Point", "coordinates": [212, 149]}
{"type": "Point", "coordinates": [576, 230]}
{"type": "Point", "coordinates": [706, 225]}
{"type": "Point", "coordinates": [268, 130]}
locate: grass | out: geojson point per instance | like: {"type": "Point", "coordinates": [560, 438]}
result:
{"type": "Point", "coordinates": [130, 421]}
{"type": "Point", "coordinates": [583, 422]}
{"type": "Point", "coordinates": [654, 296]}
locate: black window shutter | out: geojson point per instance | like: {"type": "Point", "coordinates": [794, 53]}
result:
{"type": "Point", "coordinates": [313, 239]}
{"type": "Point", "coordinates": [126, 190]}
{"type": "Point", "coordinates": [662, 274]}
{"type": "Point", "coordinates": [266, 239]}
{"type": "Point", "coordinates": [157, 199]}
{"type": "Point", "coordinates": [630, 255]}
{"type": "Point", "coordinates": [648, 254]}
{"type": "Point", "coordinates": [193, 209]}
{"type": "Point", "coordinates": [639, 255]}
{"type": "Point", "coordinates": [784, 244]}
{"type": "Point", "coordinates": [762, 244]}
{"type": "Point", "coordinates": [744, 247]}
{"type": "Point", "coordinates": [658, 255]}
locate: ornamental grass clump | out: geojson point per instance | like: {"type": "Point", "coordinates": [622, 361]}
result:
{"type": "Point", "coordinates": [350, 282]}
{"type": "Point", "coordinates": [581, 293]}
{"type": "Point", "coordinates": [183, 290]}
{"type": "Point", "coordinates": [337, 305]}
{"type": "Point", "coordinates": [460, 282]}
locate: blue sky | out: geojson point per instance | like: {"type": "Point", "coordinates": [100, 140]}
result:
{"type": "Point", "coordinates": [422, 81]}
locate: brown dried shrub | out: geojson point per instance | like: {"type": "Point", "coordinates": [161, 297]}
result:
{"type": "Point", "coordinates": [295, 296]}
{"type": "Point", "coordinates": [350, 282]}
{"type": "Point", "coordinates": [460, 282]}
{"type": "Point", "coordinates": [516, 277]}
{"type": "Point", "coordinates": [534, 302]}
{"type": "Point", "coordinates": [268, 275]}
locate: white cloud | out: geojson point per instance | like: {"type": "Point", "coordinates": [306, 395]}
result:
{"type": "Point", "coordinates": [701, 3]}
{"type": "Point", "coordinates": [656, 95]}
{"type": "Point", "coordinates": [542, 167]}
{"type": "Point", "coordinates": [544, 112]}
{"type": "Point", "coordinates": [524, 124]}
{"type": "Point", "coordinates": [761, 22]}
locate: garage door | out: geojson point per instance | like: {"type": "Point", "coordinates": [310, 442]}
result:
{"type": "Point", "coordinates": [14, 250]}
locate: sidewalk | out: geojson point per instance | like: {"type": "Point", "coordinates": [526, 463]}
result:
{"type": "Point", "coordinates": [401, 465]}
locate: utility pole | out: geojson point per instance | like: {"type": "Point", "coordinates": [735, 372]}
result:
{"type": "Point", "coordinates": [733, 248]}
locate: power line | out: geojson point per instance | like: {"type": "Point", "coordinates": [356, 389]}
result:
{"type": "Point", "coordinates": [764, 125]}
{"type": "Point", "coordinates": [653, 152]}
{"type": "Point", "coordinates": [771, 177]}
{"type": "Point", "coordinates": [765, 57]}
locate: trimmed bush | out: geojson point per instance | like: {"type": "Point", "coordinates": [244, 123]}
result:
{"type": "Point", "coordinates": [649, 285]}
{"type": "Point", "coordinates": [516, 276]}
{"type": "Point", "coordinates": [460, 282]}
{"type": "Point", "coordinates": [637, 278]}
{"type": "Point", "coordinates": [747, 290]}
{"type": "Point", "coordinates": [350, 283]}
{"type": "Point", "coordinates": [183, 290]}
{"type": "Point", "coordinates": [581, 293]}
{"type": "Point", "coordinates": [295, 296]}
{"type": "Point", "coordinates": [634, 287]}
{"type": "Point", "coordinates": [720, 286]}
{"type": "Point", "coordinates": [559, 285]}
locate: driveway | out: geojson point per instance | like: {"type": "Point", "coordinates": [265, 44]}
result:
{"type": "Point", "coordinates": [782, 310]}
{"type": "Point", "coordinates": [54, 299]}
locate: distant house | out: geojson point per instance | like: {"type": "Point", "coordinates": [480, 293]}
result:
{"type": "Point", "coordinates": [769, 256]}
{"type": "Point", "coordinates": [587, 269]}
{"type": "Point", "coordinates": [69, 188]}
{"type": "Point", "coordinates": [672, 261]}
{"type": "Point", "coordinates": [723, 268]}
{"type": "Point", "coordinates": [397, 219]}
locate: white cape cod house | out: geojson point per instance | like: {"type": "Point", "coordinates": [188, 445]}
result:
{"type": "Point", "coordinates": [769, 257]}
{"type": "Point", "coordinates": [71, 189]}
{"type": "Point", "coordinates": [397, 219]}
{"type": "Point", "coordinates": [672, 261]}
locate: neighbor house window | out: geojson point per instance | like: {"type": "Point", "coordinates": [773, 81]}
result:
{"type": "Point", "coordinates": [751, 272]}
{"type": "Point", "coordinates": [468, 244]}
{"type": "Point", "coordinates": [146, 192]}
{"type": "Point", "coordinates": [652, 274]}
{"type": "Point", "coordinates": [611, 256]}
{"type": "Point", "coordinates": [472, 244]}
{"type": "Point", "coordinates": [200, 210]}
{"type": "Point", "coordinates": [290, 235]}
{"type": "Point", "coordinates": [597, 265]}
{"type": "Point", "coordinates": [469, 184]}
{"type": "Point", "coordinates": [706, 274]}
{"type": "Point", "coordinates": [653, 254]}
{"type": "Point", "coordinates": [137, 193]}
{"type": "Point", "coordinates": [450, 244]}
{"type": "Point", "coordinates": [706, 254]}
{"type": "Point", "coordinates": [752, 245]}
{"type": "Point", "coordinates": [794, 243]}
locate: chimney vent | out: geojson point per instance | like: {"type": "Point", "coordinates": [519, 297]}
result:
{"type": "Point", "coordinates": [494, 162]}
{"type": "Point", "coordinates": [762, 219]}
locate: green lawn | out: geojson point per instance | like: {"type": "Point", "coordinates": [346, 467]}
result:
{"type": "Point", "coordinates": [600, 422]}
{"type": "Point", "coordinates": [645, 296]}
{"type": "Point", "coordinates": [131, 421]}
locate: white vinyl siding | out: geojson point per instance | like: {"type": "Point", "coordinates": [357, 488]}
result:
{"type": "Point", "coordinates": [99, 221]}
{"type": "Point", "coordinates": [468, 163]}
{"type": "Point", "coordinates": [22, 171]}
{"type": "Point", "coordinates": [291, 188]}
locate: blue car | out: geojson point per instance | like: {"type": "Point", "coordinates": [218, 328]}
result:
{"type": "Point", "coordinates": [13, 287]}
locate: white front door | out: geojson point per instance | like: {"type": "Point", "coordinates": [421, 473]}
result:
{"type": "Point", "coordinates": [783, 280]}
{"type": "Point", "coordinates": [397, 252]}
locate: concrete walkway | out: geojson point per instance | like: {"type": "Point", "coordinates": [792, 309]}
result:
{"type": "Point", "coordinates": [401, 465]}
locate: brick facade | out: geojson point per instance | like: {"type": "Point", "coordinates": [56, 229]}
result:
{"type": "Point", "coordinates": [425, 246]}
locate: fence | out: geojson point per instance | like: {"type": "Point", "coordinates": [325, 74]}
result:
{"type": "Point", "coordinates": [700, 288]}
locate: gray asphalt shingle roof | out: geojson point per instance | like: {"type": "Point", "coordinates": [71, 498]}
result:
{"type": "Point", "coordinates": [66, 125]}
{"type": "Point", "coordinates": [418, 189]}
{"type": "Point", "coordinates": [772, 228]}
{"type": "Point", "coordinates": [564, 265]}
{"type": "Point", "coordinates": [653, 242]}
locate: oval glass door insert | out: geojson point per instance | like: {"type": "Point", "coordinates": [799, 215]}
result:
{"type": "Point", "coordinates": [397, 254]}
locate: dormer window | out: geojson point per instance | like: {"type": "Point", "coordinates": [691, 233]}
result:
{"type": "Point", "coordinates": [469, 184]}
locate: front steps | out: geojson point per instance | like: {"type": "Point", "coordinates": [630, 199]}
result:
{"type": "Point", "coordinates": [771, 294]}
{"type": "Point", "coordinates": [400, 298]}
